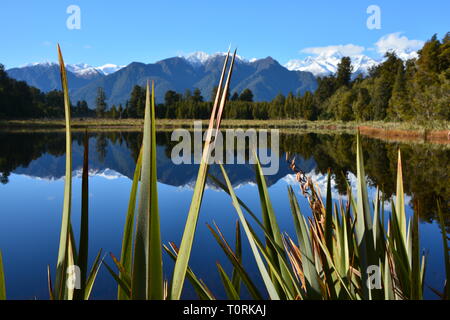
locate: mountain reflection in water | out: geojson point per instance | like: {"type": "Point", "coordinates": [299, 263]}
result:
{"type": "Point", "coordinates": [426, 167]}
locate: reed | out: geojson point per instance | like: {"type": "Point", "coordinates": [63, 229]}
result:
{"type": "Point", "coordinates": [140, 270]}
{"type": "Point", "coordinates": [2, 280]}
{"type": "Point", "coordinates": [68, 257]}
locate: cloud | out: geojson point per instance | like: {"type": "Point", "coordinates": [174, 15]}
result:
{"type": "Point", "coordinates": [397, 43]}
{"type": "Point", "coordinates": [345, 49]}
{"type": "Point", "coordinates": [46, 43]}
{"type": "Point", "coordinates": [87, 46]}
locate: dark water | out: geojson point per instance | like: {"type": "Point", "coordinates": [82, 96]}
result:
{"type": "Point", "coordinates": [31, 191]}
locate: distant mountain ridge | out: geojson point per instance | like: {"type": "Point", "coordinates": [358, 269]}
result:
{"type": "Point", "coordinates": [265, 77]}
{"type": "Point", "coordinates": [326, 63]}
{"type": "Point", "coordinates": [45, 75]}
{"type": "Point", "coordinates": [81, 69]}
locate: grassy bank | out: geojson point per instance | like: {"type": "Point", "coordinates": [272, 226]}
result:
{"type": "Point", "coordinates": [437, 131]}
{"type": "Point", "coordinates": [186, 123]}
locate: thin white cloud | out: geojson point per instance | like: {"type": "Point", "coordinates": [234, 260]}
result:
{"type": "Point", "coordinates": [397, 43]}
{"type": "Point", "coordinates": [345, 49]}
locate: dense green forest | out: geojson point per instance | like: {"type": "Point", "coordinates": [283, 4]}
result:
{"type": "Point", "coordinates": [18, 100]}
{"type": "Point", "coordinates": [395, 90]}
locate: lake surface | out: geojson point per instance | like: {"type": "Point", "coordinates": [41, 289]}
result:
{"type": "Point", "coordinates": [32, 166]}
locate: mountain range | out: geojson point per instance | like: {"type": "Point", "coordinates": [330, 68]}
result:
{"type": "Point", "coordinates": [265, 77]}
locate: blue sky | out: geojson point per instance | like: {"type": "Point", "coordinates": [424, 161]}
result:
{"type": "Point", "coordinates": [120, 32]}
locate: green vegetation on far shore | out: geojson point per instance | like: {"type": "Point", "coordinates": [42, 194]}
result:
{"type": "Point", "coordinates": [94, 123]}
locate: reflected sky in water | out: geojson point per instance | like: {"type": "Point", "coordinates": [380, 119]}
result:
{"type": "Point", "coordinates": [31, 199]}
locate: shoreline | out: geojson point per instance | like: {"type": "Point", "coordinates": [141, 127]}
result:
{"type": "Point", "coordinates": [438, 132]}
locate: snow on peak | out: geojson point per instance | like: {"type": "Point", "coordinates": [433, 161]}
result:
{"type": "Point", "coordinates": [85, 70]}
{"type": "Point", "coordinates": [326, 63]}
{"type": "Point", "coordinates": [81, 69]}
{"type": "Point", "coordinates": [200, 58]}
{"type": "Point", "coordinates": [106, 173]}
{"type": "Point", "coordinates": [42, 64]}
{"type": "Point", "coordinates": [406, 54]}
{"type": "Point", "coordinates": [109, 68]}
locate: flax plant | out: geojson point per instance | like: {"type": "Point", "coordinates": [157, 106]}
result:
{"type": "Point", "coordinates": [140, 269]}
{"type": "Point", "coordinates": [341, 251]}
{"type": "Point", "coordinates": [70, 261]}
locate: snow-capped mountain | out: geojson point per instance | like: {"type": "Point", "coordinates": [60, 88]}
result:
{"type": "Point", "coordinates": [406, 54]}
{"type": "Point", "coordinates": [326, 63]}
{"type": "Point", "coordinates": [200, 58]}
{"type": "Point", "coordinates": [45, 75]}
{"type": "Point", "coordinates": [85, 70]}
{"type": "Point", "coordinates": [82, 69]}
{"type": "Point", "coordinates": [265, 77]}
{"type": "Point", "coordinates": [109, 68]}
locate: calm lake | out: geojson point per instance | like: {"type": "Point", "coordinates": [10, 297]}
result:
{"type": "Point", "coordinates": [32, 168]}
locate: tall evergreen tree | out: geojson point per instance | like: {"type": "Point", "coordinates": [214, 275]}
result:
{"type": "Point", "coordinates": [308, 107]}
{"type": "Point", "coordinates": [276, 107]}
{"type": "Point", "coordinates": [345, 112]}
{"type": "Point", "coordinates": [246, 95]}
{"type": "Point", "coordinates": [113, 112]}
{"type": "Point", "coordinates": [197, 97]}
{"type": "Point", "coordinates": [289, 107]}
{"type": "Point", "coordinates": [398, 104]}
{"type": "Point", "coordinates": [100, 102]}
{"type": "Point", "coordinates": [171, 97]}
{"type": "Point", "coordinates": [344, 72]}
{"type": "Point", "coordinates": [380, 100]}
{"type": "Point", "coordinates": [137, 102]}
{"type": "Point", "coordinates": [361, 105]}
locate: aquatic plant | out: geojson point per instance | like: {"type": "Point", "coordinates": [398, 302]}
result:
{"type": "Point", "coordinates": [140, 267]}
{"type": "Point", "coordinates": [343, 251]}
{"type": "Point", "coordinates": [2, 280]}
{"type": "Point", "coordinates": [71, 263]}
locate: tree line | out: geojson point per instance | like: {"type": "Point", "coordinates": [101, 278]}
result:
{"type": "Point", "coordinates": [18, 100]}
{"type": "Point", "coordinates": [394, 90]}
{"type": "Point", "coordinates": [192, 105]}
{"type": "Point", "coordinates": [417, 89]}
